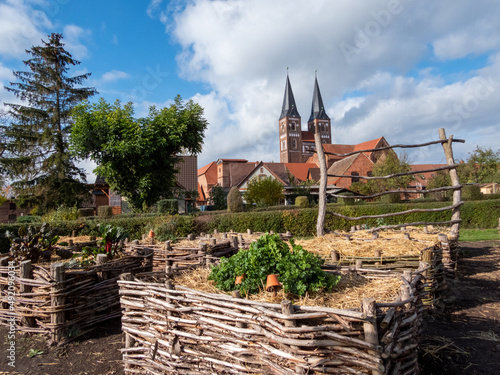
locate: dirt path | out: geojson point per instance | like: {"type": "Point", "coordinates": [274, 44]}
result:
{"type": "Point", "coordinates": [466, 338]}
{"type": "Point", "coordinates": [463, 340]}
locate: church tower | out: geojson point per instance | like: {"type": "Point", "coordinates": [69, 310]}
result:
{"type": "Point", "coordinates": [319, 117]}
{"type": "Point", "coordinates": [290, 128]}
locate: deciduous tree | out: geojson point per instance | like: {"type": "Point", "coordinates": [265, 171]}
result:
{"type": "Point", "coordinates": [36, 153]}
{"type": "Point", "coordinates": [264, 192]}
{"type": "Point", "coordinates": [137, 157]}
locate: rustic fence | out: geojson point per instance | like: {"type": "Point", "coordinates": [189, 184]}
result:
{"type": "Point", "coordinates": [171, 328]}
{"type": "Point", "coordinates": [60, 301]}
{"type": "Point", "coordinates": [454, 222]}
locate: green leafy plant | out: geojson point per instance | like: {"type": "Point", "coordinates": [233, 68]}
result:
{"type": "Point", "coordinates": [299, 271]}
{"type": "Point", "coordinates": [30, 242]}
{"type": "Point", "coordinates": [112, 238]}
{"type": "Point", "coordinates": [34, 352]}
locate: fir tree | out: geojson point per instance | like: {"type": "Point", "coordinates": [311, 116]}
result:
{"type": "Point", "coordinates": [37, 156]}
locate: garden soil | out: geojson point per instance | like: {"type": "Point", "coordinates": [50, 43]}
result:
{"type": "Point", "coordinates": [462, 339]}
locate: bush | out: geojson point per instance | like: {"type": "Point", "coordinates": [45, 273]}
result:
{"type": "Point", "coordinates": [167, 206]}
{"type": "Point", "coordinates": [471, 193]}
{"type": "Point", "coordinates": [61, 214]}
{"type": "Point", "coordinates": [391, 198]}
{"type": "Point", "coordinates": [302, 202]}
{"type": "Point", "coordinates": [28, 219]}
{"type": "Point", "coordinates": [85, 212]}
{"type": "Point", "coordinates": [234, 200]}
{"type": "Point", "coordinates": [105, 212]}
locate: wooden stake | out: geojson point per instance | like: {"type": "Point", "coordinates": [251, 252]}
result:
{"type": "Point", "coordinates": [57, 316]}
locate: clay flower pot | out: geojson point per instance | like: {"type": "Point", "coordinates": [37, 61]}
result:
{"type": "Point", "coordinates": [272, 284]}
{"type": "Point", "coordinates": [239, 279]}
{"type": "Point", "coordinates": [151, 234]}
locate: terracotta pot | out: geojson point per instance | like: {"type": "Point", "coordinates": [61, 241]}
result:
{"type": "Point", "coordinates": [239, 279]}
{"type": "Point", "coordinates": [151, 234]}
{"type": "Point", "coordinates": [272, 284]}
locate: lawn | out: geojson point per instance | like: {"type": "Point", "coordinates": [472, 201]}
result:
{"type": "Point", "coordinates": [478, 234]}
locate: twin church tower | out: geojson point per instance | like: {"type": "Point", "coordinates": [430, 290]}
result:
{"type": "Point", "coordinates": [296, 145]}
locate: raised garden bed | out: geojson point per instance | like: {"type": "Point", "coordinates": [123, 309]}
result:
{"type": "Point", "coordinates": [175, 328]}
{"type": "Point", "coordinates": [63, 302]}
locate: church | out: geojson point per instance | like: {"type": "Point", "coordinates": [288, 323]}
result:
{"type": "Point", "coordinates": [297, 146]}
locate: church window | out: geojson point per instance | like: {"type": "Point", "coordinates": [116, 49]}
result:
{"type": "Point", "coordinates": [322, 127]}
{"type": "Point", "coordinates": [294, 143]}
{"type": "Point", "coordinates": [283, 145]}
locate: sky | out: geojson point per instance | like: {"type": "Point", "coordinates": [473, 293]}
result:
{"type": "Point", "coordinates": [400, 69]}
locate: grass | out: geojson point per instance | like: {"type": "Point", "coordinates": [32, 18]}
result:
{"type": "Point", "coordinates": [478, 235]}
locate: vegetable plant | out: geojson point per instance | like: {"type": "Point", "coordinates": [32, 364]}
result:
{"type": "Point", "coordinates": [30, 242]}
{"type": "Point", "coordinates": [299, 270]}
{"type": "Point", "coordinates": [112, 238]}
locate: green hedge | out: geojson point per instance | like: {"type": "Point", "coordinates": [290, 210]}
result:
{"type": "Point", "coordinates": [300, 222]}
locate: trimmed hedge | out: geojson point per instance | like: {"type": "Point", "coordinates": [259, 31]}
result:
{"type": "Point", "coordinates": [300, 222]}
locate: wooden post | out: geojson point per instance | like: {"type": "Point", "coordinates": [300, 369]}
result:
{"type": "Point", "coordinates": [370, 327]}
{"type": "Point", "coordinates": [216, 231]}
{"type": "Point", "coordinates": [335, 255]}
{"type": "Point", "coordinates": [25, 273]}
{"type": "Point", "coordinates": [224, 236]}
{"type": "Point", "coordinates": [378, 253]}
{"type": "Point", "coordinates": [57, 316]}
{"type": "Point", "coordinates": [100, 260]}
{"type": "Point", "coordinates": [236, 294]}
{"type": "Point", "coordinates": [359, 264]}
{"type": "Point", "coordinates": [457, 194]}
{"type": "Point", "coordinates": [213, 241]}
{"type": "Point", "coordinates": [287, 309]}
{"type": "Point", "coordinates": [129, 340]}
{"type": "Point", "coordinates": [249, 231]}
{"type": "Point", "coordinates": [3, 263]}
{"type": "Point", "coordinates": [168, 245]}
{"type": "Point", "coordinates": [234, 242]}
{"type": "Point", "coordinates": [149, 253]}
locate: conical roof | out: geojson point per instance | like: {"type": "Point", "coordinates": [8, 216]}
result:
{"type": "Point", "coordinates": [317, 109]}
{"type": "Point", "coordinates": [289, 108]}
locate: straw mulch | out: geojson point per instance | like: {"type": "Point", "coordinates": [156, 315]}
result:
{"type": "Point", "coordinates": [390, 243]}
{"type": "Point", "coordinates": [347, 294]}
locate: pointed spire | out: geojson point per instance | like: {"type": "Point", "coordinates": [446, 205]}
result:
{"type": "Point", "coordinates": [318, 109]}
{"type": "Point", "coordinates": [289, 108]}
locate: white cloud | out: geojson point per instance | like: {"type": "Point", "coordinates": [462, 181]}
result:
{"type": "Point", "coordinates": [114, 75]}
{"type": "Point", "coordinates": [73, 36]}
{"type": "Point", "coordinates": [241, 50]}
{"type": "Point", "coordinates": [20, 27]}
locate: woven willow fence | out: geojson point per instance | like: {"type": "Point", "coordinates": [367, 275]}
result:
{"type": "Point", "coordinates": [173, 329]}
{"type": "Point", "coordinates": [63, 302]}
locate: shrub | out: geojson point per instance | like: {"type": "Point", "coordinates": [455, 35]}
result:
{"type": "Point", "coordinates": [85, 212]}
{"type": "Point", "coordinates": [234, 200]}
{"type": "Point", "coordinates": [61, 214]}
{"type": "Point", "coordinates": [471, 193]}
{"type": "Point", "coordinates": [167, 206]}
{"type": "Point", "coordinates": [105, 212]}
{"type": "Point", "coordinates": [28, 219]}
{"type": "Point", "coordinates": [302, 202]}
{"type": "Point", "coordinates": [391, 198]}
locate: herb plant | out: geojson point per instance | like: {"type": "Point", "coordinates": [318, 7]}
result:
{"type": "Point", "coordinates": [299, 270]}
{"type": "Point", "coordinates": [31, 242]}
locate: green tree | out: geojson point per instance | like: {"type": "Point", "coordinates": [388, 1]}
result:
{"type": "Point", "coordinates": [36, 142]}
{"type": "Point", "coordinates": [264, 192]}
{"type": "Point", "coordinates": [393, 165]}
{"type": "Point", "coordinates": [234, 200]}
{"type": "Point", "coordinates": [137, 157]}
{"type": "Point", "coordinates": [482, 166]}
{"type": "Point", "coordinates": [218, 197]}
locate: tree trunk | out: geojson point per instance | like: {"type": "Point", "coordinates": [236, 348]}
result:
{"type": "Point", "coordinates": [320, 225]}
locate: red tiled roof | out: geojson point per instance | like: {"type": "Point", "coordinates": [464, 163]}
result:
{"type": "Point", "coordinates": [367, 145]}
{"type": "Point", "coordinates": [300, 170]}
{"type": "Point", "coordinates": [427, 175]}
{"type": "Point", "coordinates": [205, 168]}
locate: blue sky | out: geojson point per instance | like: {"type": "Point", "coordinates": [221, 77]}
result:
{"type": "Point", "coordinates": [401, 69]}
